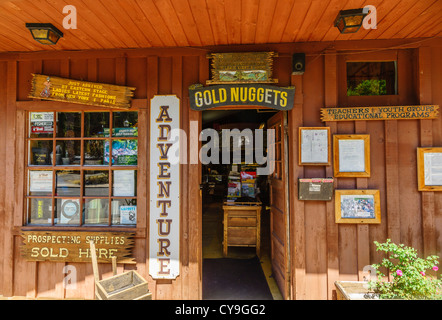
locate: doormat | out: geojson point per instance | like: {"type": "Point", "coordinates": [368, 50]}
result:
{"type": "Point", "coordinates": [234, 279]}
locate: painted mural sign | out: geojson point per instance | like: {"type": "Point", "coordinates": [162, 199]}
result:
{"type": "Point", "coordinates": [82, 92]}
{"type": "Point", "coordinates": [164, 242]}
{"type": "Point", "coordinates": [240, 67]}
{"type": "Point", "coordinates": [74, 246]}
{"type": "Point", "coordinates": [380, 113]}
{"type": "Point", "coordinates": [267, 96]}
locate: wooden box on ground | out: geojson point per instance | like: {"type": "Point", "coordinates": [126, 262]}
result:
{"type": "Point", "coordinates": [354, 290]}
{"type": "Point", "coordinates": [242, 225]}
{"type": "Point", "coordinates": [127, 286]}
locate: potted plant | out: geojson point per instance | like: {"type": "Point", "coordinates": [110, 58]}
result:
{"type": "Point", "coordinates": [411, 278]}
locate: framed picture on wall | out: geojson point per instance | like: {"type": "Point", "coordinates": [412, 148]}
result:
{"type": "Point", "coordinates": [357, 206]}
{"type": "Point", "coordinates": [351, 155]}
{"type": "Point", "coordinates": [429, 169]}
{"type": "Point", "coordinates": [314, 146]}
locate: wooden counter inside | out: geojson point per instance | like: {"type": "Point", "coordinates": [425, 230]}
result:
{"type": "Point", "coordinates": [242, 225]}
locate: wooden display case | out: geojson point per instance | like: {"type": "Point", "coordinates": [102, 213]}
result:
{"type": "Point", "coordinates": [242, 225]}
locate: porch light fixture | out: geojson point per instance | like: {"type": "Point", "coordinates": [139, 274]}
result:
{"type": "Point", "coordinates": [349, 21]}
{"type": "Point", "coordinates": [45, 33]}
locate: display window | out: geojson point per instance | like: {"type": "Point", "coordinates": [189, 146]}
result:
{"type": "Point", "coordinates": [81, 168]}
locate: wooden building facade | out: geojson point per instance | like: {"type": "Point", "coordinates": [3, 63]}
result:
{"type": "Point", "coordinates": [317, 251]}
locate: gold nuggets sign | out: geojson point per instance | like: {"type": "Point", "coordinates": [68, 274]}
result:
{"type": "Point", "coordinates": [380, 113]}
{"type": "Point", "coordinates": [279, 98]}
{"type": "Point", "coordinates": [70, 246]}
{"type": "Point", "coordinates": [74, 91]}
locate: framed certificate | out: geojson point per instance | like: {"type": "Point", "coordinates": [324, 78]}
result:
{"type": "Point", "coordinates": [314, 146]}
{"type": "Point", "coordinates": [357, 206]}
{"type": "Point", "coordinates": [351, 155]}
{"type": "Point", "coordinates": [429, 169]}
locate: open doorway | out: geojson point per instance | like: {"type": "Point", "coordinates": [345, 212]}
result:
{"type": "Point", "coordinates": [236, 210]}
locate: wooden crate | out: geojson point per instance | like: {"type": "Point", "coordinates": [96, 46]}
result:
{"type": "Point", "coordinates": [126, 286]}
{"type": "Point", "coordinates": [242, 225]}
{"type": "Point", "coordinates": [354, 290]}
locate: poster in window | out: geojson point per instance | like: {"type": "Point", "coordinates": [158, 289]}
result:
{"type": "Point", "coordinates": [124, 152]}
{"type": "Point", "coordinates": [357, 206]}
{"type": "Point", "coordinates": [128, 214]}
{"type": "Point", "coordinates": [40, 181]}
{"type": "Point", "coordinates": [42, 122]}
{"type": "Point", "coordinates": [429, 162]}
{"type": "Point", "coordinates": [70, 211]}
{"type": "Point", "coordinates": [124, 183]}
{"type": "Point", "coordinates": [351, 155]}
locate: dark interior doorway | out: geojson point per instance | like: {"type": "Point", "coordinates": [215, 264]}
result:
{"type": "Point", "coordinates": [241, 274]}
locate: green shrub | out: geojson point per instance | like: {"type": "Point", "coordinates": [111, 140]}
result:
{"type": "Point", "coordinates": [409, 272]}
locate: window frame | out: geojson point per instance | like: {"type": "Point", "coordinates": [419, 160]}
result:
{"type": "Point", "coordinates": [82, 224]}
{"type": "Point", "coordinates": [395, 63]}
{"type": "Point", "coordinates": [404, 72]}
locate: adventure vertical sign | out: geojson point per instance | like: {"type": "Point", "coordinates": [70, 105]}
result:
{"type": "Point", "coordinates": [164, 240]}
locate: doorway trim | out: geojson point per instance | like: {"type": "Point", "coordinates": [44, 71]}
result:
{"type": "Point", "coordinates": [196, 185]}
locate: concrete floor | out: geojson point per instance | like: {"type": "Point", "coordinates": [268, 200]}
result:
{"type": "Point", "coordinates": [213, 237]}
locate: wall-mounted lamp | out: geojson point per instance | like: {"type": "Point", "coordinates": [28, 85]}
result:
{"type": "Point", "coordinates": [45, 33]}
{"type": "Point", "coordinates": [349, 21]}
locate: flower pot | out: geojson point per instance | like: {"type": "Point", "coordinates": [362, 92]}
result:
{"type": "Point", "coordinates": [354, 290]}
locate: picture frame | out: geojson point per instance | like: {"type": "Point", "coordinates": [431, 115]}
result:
{"type": "Point", "coordinates": [314, 146]}
{"type": "Point", "coordinates": [351, 155]}
{"type": "Point", "coordinates": [357, 206]}
{"type": "Point", "coordinates": [429, 169]}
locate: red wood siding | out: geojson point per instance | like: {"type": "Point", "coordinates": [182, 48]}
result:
{"type": "Point", "coordinates": [320, 250]}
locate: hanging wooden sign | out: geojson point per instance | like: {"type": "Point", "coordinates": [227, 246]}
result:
{"type": "Point", "coordinates": [164, 213]}
{"type": "Point", "coordinates": [82, 92]}
{"type": "Point", "coordinates": [380, 113]}
{"type": "Point", "coordinates": [74, 246]}
{"type": "Point", "coordinates": [279, 98]}
{"type": "Point", "coordinates": [240, 67]}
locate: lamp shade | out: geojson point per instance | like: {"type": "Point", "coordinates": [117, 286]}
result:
{"type": "Point", "coordinates": [44, 33]}
{"type": "Point", "coordinates": [349, 21]}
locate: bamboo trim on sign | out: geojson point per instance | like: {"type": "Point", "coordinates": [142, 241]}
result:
{"type": "Point", "coordinates": [81, 92]}
{"type": "Point", "coordinates": [380, 113]}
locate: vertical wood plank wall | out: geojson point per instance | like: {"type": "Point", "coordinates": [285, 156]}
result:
{"type": "Point", "coordinates": [320, 250]}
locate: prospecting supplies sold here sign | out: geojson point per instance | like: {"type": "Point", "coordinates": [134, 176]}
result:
{"type": "Point", "coordinates": [256, 94]}
{"type": "Point", "coordinates": [164, 242]}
